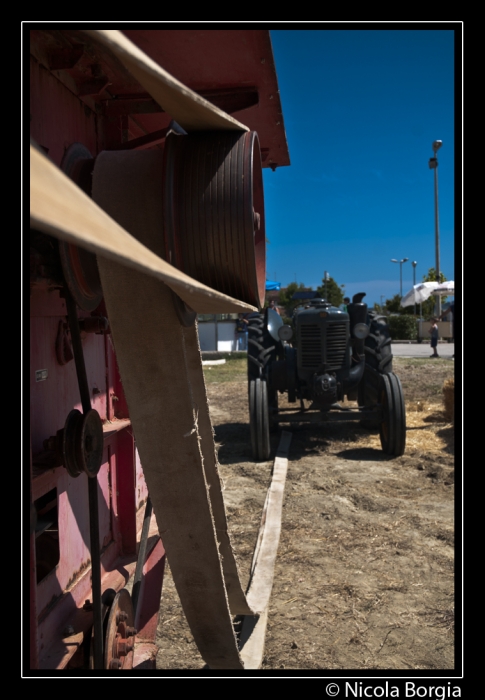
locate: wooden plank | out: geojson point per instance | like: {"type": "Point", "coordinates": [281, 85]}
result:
{"type": "Point", "coordinates": [264, 559]}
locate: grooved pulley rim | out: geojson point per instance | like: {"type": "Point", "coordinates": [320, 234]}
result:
{"type": "Point", "coordinates": [214, 211]}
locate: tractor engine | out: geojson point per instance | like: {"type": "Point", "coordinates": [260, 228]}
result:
{"type": "Point", "coordinates": [329, 350]}
{"type": "Point", "coordinates": [323, 351]}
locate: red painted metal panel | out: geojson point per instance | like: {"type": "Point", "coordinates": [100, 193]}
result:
{"type": "Point", "coordinates": [123, 464]}
{"type": "Point", "coordinates": [58, 118]}
{"type": "Point", "coordinates": [213, 59]}
{"type": "Point", "coordinates": [148, 609]}
{"type": "Point", "coordinates": [73, 513]}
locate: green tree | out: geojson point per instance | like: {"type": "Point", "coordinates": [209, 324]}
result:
{"type": "Point", "coordinates": [393, 306]}
{"type": "Point", "coordinates": [431, 276]}
{"type": "Point", "coordinates": [331, 291]}
{"type": "Point", "coordinates": [285, 296]}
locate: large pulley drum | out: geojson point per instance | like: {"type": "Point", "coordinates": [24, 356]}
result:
{"type": "Point", "coordinates": [212, 227]}
{"type": "Point", "coordinates": [214, 211]}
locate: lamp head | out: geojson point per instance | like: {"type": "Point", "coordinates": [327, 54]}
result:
{"type": "Point", "coordinates": [437, 145]}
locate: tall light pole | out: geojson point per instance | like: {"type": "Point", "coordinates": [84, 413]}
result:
{"type": "Point", "coordinates": [433, 164]}
{"type": "Point", "coordinates": [400, 270]}
{"type": "Point", "coordinates": [414, 263]}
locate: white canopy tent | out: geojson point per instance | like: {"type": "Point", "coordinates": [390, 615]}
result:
{"type": "Point", "coordinates": [421, 292]}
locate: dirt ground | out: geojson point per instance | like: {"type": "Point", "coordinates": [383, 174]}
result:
{"type": "Point", "coordinates": [364, 574]}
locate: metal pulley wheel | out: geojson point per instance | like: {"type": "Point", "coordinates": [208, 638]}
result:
{"type": "Point", "coordinates": [79, 266]}
{"type": "Point", "coordinates": [107, 599]}
{"type": "Point", "coordinates": [82, 443]}
{"type": "Point", "coordinates": [214, 211]}
{"type": "Point", "coordinates": [120, 633]}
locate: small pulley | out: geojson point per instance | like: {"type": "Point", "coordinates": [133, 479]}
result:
{"type": "Point", "coordinates": [82, 443]}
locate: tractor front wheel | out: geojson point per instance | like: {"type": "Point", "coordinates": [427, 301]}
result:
{"type": "Point", "coordinates": [392, 430]}
{"type": "Point", "coordinates": [259, 419]}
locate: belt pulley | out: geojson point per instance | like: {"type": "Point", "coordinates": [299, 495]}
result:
{"type": "Point", "coordinates": [82, 437]}
{"type": "Point", "coordinates": [83, 452]}
{"type": "Point", "coordinates": [81, 442]}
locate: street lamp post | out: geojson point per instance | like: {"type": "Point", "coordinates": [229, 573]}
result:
{"type": "Point", "coordinates": [433, 164]}
{"type": "Point", "coordinates": [414, 263]}
{"type": "Point", "coordinates": [400, 270]}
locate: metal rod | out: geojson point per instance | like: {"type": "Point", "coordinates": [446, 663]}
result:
{"type": "Point", "coordinates": [142, 552]}
{"type": "Point", "coordinates": [414, 263]}
{"type": "Point", "coordinates": [95, 572]}
{"type": "Point", "coordinates": [92, 485]}
{"type": "Point", "coordinates": [437, 238]}
{"type": "Point", "coordinates": [77, 348]}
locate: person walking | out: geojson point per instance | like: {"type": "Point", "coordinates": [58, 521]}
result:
{"type": "Point", "coordinates": [434, 332]}
{"type": "Point", "coordinates": [241, 332]}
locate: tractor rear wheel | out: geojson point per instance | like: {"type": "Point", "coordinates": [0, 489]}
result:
{"type": "Point", "coordinates": [262, 350]}
{"type": "Point", "coordinates": [261, 346]}
{"type": "Point", "coordinates": [378, 362]}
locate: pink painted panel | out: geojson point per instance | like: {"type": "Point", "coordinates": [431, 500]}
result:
{"type": "Point", "coordinates": [53, 397]}
{"type": "Point", "coordinates": [73, 515]}
{"type": "Point", "coordinates": [73, 509]}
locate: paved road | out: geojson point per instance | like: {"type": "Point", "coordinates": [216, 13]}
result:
{"type": "Point", "coordinates": [406, 349]}
{"type": "Point", "coordinates": [399, 349]}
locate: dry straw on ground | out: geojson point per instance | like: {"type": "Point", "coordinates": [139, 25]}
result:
{"type": "Point", "coordinates": [449, 399]}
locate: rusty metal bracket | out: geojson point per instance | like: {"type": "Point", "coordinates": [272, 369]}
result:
{"type": "Point", "coordinates": [120, 633]}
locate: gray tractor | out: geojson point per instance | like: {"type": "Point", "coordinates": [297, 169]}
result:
{"type": "Point", "coordinates": [327, 355]}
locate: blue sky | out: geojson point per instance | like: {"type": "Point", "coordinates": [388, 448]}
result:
{"type": "Point", "coordinates": [361, 109]}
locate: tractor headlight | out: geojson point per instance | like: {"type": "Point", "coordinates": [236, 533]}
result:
{"type": "Point", "coordinates": [285, 332]}
{"type": "Point", "coordinates": [360, 331]}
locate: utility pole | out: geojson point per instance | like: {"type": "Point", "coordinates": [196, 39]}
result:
{"type": "Point", "coordinates": [433, 164]}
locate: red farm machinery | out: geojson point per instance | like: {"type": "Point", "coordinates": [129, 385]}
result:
{"type": "Point", "coordinates": [146, 208]}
